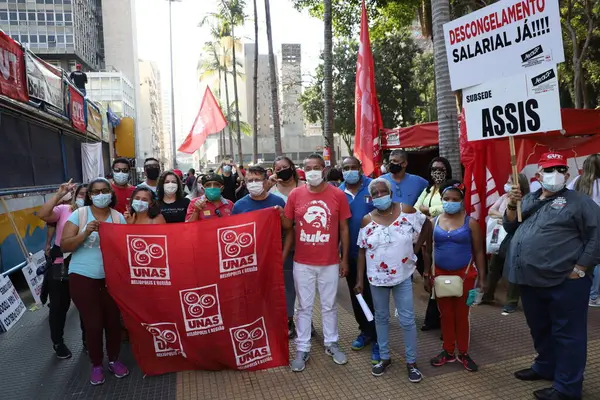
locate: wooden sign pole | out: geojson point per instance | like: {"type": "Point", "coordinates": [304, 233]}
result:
{"type": "Point", "coordinates": [515, 173]}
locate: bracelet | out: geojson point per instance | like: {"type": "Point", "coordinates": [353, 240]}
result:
{"type": "Point", "coordinates": [511, 207]}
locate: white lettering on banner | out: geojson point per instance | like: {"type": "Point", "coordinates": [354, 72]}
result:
{"type": "Point", "coordinates": [35, 281]}
{"type": "Point", "coordinates": [148, 260]}
{"type": "Point", "coordinates": [237, 250]}
{"type": "Point", "coordinates": [167, 342]}
{"type": "Point", "coordinates": [251, 344]}
{"type": "Point", "coordinates": [503, 39]}
{"type": "Point", "coordinates": [11, 306]}
{"type": "Point", "coordinates": [201, 310]}
{"type": "Point", "coordinates": [8, 65]}
{"type": "Point", "coordinates": [518, 105]}
{"type": "Point", "coordinates": [315, 223]}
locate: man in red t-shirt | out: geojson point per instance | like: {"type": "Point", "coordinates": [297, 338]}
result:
{"type": "Point", "coordinates": [320, 212]}
{"type": "Point", "coordinates": [121, 186]}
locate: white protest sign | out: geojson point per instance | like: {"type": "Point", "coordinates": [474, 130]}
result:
{"type": "Point", "coordinates": [517, 105]}
{"type": "Point", "coordinates": [502, 40]}
{"type": "Point", "coordinates": [11, 306]}
{"type": "Point", "coordinates": [33, 280]}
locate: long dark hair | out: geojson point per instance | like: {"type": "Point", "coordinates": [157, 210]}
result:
{"type": "Point", "coordinates": [591, 172]}
{"type": "Point", "coordinates": [290, 162]}
{"type": "Point", "coordinates": [74, 200]}
{"type": "Point", "coordinates": [153, 207]}
{"type": "Point", "coordinates": [160, 190]}
{"type": "Point", "coordinates": [88, 197]}
{"type": "Point", "coordinates": [446, 165]}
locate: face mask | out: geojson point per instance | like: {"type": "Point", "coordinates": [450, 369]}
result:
{"type": "Point", "coordinates": [102, 200]}
{"type": "Point", "coordinates": [452, 207]}
{"type": "Point", "coordinates": [80, 202]}
{"type": "Point", "coordinates": [152, 173]}
{"type": "Point", "coordinates": [121, 178]}
{"type": "Point", "coordinates": [438, 177]}
{"type": "Point", "coordinates": [507, 187]}
{"type": "Point", "coordinates": [383, 169]}
{"type": "Point", "coordinates": [139, 206]}
{"type": "Point", "coordinates": [553, 181]}
{"type": "Point", "coordinates": [285, 174]}
{"type": "Point", "coordinates": [255, 188]}
{"type": "Point", "coordinates": [351, 177]}
{"type": "Point", "coordinates": [314, 177]}
{"type": "Point", "coordinates": [212, 194]}
{"type": "Point", "coordinates": [395, 168]}
{"type": "Point", "coordinates": [227, 169]}
{"type": "Point", "coordinates": [383, 203]}
{"type": "Point", "coordinates": [170, 188]}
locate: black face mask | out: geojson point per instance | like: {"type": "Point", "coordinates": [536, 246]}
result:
{"type": "Point", "coordinates": [152, 173]}
{"type": "Point", "coordinates": [395, 168]}
{"type": "Point", "coordinates": [285, 174]}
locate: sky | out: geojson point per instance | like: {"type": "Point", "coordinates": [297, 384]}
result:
{"type": "Point", "coordinates": [288, 26]}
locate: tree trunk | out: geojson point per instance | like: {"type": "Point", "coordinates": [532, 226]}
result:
{"type": "Point", "coordinates": [222, 149]}
{"type": "Point", "coordinates": [328, 81]}
{"type": "Point", "coordinates": [273, 82]}
{"type": "Point", "coordinates": [228, 112]}
{"type": "Point", "coordinates": [235, 94]}
{"type": "Point", "coordinates": [446, 103]}
{"type": "Point", "coordinates": [255, 88]}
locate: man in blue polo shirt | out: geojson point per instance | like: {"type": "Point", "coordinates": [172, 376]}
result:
{"type": "Point", "coordinates": [355, 187]}
{"type": "Point", "coordinates": [406, 188]}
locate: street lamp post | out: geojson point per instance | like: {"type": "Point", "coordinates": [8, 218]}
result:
{"type": "Point", "coordinates": [173, 139]}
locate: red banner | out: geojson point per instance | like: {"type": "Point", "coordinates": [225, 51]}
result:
{"type": "Point", "coordinates": [207, 295]}
{"type": "Point", "coordinates": [12, 69]}
{"type": "Point", "coordinates": [76, 109]}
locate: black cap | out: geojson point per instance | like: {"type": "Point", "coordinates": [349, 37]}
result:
{"type": "Point", "coordinates": [212, 178]}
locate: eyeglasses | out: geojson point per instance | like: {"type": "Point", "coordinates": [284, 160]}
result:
{"type": "Point", "coordinates": [117, 170]}
{"type": "Point", "coordinates": [560, 169]}
{"type": "Point", "coordinates": [99, 191]}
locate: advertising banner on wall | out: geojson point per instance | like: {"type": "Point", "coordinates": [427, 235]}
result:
{"type": "Point", "coordinates": [503, 39]}
{"type": "Point", "coordinates": [12, 69]}
{"type": "Point", "coordinates": [76, 109]}
{"type": "Point", "coordinates": [94, 119]}
{"type": "Point", "coordinates": [44, 82]}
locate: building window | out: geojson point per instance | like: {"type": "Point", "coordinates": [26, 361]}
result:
{"type": "Point", "coordinates": [22, 16]}
{"type": "Point", "coordinates": [33, 38]}
{"type": "Point", "coordinates": [41, 17]}
{"type": "Point", "coordinates": [31, 16]}
{"type": "Point", "coordinates": [68, 18]}
{"type": "Point", "coordinates": [3, 16]}
{"type": "Point", "coordinates": [42, 38]}
{"type": "Point", "coordinates": [60, 38]}
{"type": "Point", "coordinates": [69, 39]}
{"type": "Point", "coordinates": [12, 16]}
{"type": "Point", "coordinates": [48, 1]}
{"type": "Point", "coordinates": [50, 18]}
{"type": "Point", "coordinates": [40, 1]}
{"type": "Point", "coordinates": [59, 18]}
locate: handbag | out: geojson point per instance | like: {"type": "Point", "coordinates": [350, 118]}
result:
{"type": "Point", "coordinates": [447, 285]}
{"type": "Point", "coordinates": [495, 236]}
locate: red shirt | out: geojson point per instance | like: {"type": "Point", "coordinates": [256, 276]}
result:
{"type": "Point", "coordinates": [123, 197]}
{"type": "Point", "coordinates": [317, 217]}
{"type": "Point", "coordinates": [210, 210]}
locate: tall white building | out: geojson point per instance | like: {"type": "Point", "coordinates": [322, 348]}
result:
{"type": "Point", "coordinates": [150, 142]}
{"type": "Point", "coordinates": [114, 90]}
{"type": "Point", "coordinates": [292, 116]}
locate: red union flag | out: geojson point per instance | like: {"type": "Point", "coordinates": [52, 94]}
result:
{"type": "Point", "coordinates": [217, 305]}
{"type": "Point", "coordinates": [209, 121]}
{"type": "Point", "coordinates": [367, 115]}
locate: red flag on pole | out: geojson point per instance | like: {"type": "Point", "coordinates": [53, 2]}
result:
{"type": "Point", "coordinates": [209, 121]}
{"type": "Point", "coordinates": [367, 115]}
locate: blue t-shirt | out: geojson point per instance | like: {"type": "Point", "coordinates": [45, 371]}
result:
{"type": "Point", "coordinates": [87, 259]}
{"type": "Point", "coordinates": [452, 249]}
{"type": "Point", "coordinates": [408, 190]}
{"type": "Point", "coordinates": [247, 204]}
{"type": "Point", "coordinates": [360, 205]}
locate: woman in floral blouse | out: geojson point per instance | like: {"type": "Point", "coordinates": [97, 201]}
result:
{"type": "Point", "coordinates": [387, 240]}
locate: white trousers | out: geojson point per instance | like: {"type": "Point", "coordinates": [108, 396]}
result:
{"type": "Point", "coordinates": [326, 279]}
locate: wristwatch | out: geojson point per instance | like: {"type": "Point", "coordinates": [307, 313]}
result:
{"type": "Point", "coordinates": [579, 272]}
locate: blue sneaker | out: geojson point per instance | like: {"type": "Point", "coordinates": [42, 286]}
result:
{"type": "Point", "coordinates": [375, 357]}
{"type": "Point", "coordinates": [360, 342]}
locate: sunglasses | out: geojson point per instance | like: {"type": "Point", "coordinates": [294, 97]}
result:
{"type": "Point", "coordinates": [561, 169]}
{"type": "Point", "coordinates": [99, 191]}
{"type": "Point", "coordinates": [124, 170]}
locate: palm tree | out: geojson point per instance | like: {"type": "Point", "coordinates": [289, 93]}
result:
{"type": "Point", "coordinates": [273, 81]}
{"type": "Point", "coordinates": [446, 103]}
{"type": "Point", "coordinates": [255, 88]}
{"type": "Point", "coordinates": [328, 80]}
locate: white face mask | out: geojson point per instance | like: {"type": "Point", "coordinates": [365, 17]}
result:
{"type": "Point", "coordinates": [255, 188]}
{"type": "Point", "coordinates": [314, 177]}
{"type": "Point", "coordinates": [553, 181]}
{"type": "Point", "coordinates": [170, 187]}
{"type": "Point", "coordinates": [507, 187]}
{"type": "Point", "coordinates": [120, 178]}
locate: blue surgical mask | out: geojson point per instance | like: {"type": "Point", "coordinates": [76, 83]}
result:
{"type": "Point", "coordinates": [351, 177]}
{"type": "Point", "coordinates": [102, 200]}
{"type": "Point", "coordinates": [452, 207]}
{"type": "Point", "coordinates": [227, 169]}
{"type": "Point", "coordinates": [139, 205]}
{"type": "Point", "coordinates": [80, 202]}
{"type": "Point", "coordinates": [383, 203]}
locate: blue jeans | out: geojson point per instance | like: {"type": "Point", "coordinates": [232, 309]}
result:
{"type": "Point", "coordinates": [403, 300]}
{"type": "Point", "coordinates": [595, 283]}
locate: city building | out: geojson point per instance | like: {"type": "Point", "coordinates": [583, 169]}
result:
{"type": "Point", "coordinates": [265, 124]}
{"type": "Point", "coordinates": [150, 141]}
{"type": "Point", "coordinates": [62, 32]}
{"type": "Point", "coordinates": [112, 89]}
{"type": "Point", "coordinates": [167, 126]}
{"type": "Point", "coordinates": [292, 116]}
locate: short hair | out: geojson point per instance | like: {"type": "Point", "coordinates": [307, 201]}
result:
{"type": "Point", "coordinates": [121, 160]}
{"type": "Point", "coordinates": [160, 190]}
{"type": "Point", "coordinates": [192, 171]}
{"type": "Point", "coordinates": [153, 207]}
{"type": "Point", "coordinates": [352, 158]}
{"type": "Point", "coordinates": [334, 174]}
{"type": "Point", "coordinates": [377, 181]}
{"type": "Point", "coordinates": [315, 156]}
{"type": "Point", "coordinates": [150, 159]}
{"type": "Point", "coordinates": [257, 170]}
{"type": "Point", "coordinates": [88, 197]}
{"type": "Point", "coordinates": [399, 152]}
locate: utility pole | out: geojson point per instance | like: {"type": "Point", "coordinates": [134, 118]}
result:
{"type": "Point", "coordinates": [173, 139]}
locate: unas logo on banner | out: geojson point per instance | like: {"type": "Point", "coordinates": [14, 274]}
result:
{"type": "Point", "coordinates": [201, 310]}
{"type": "Point", "coordinates": [237, 250]}
{"type": "Point", "coordinates": [167, 342]}
{"type": "Point", "coordinates": [251, 344]}
{"type": "Point", "coordinates": [148, 260]}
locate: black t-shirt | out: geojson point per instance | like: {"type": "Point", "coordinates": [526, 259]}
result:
{"type": "Point", "coordinates": [175, 212]}
{"type": "Point", "coordinates": [230, 184]}
{"type": "Point", "coordinates": [79, 78]}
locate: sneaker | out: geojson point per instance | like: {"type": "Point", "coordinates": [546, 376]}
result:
{"type": "Point", "coordinates": [360, 342]}
{"type": "Point", "coordinates": [379, 368]}
{"type": "Point", "coordinates": [468, 362]}
{"type": "Point", "coordinates": [299, 363]}
{"type": "Point", "coordinates": [62, 351]}
{"type": "Point", "coordinates": [97, 376]}
{"type": "Point", "coordinates": [118, 369]}
{"type": "Point", "coordinates": [375, 357]}
{"type": "Point", "coordinates": [291, 329]}
{"type": "Point", "coordinates": [595, 303]}
{"type": "Point", "coordinates": [509, 309]}
{"type": "Point", "coordinates": [338, 356]}
{"type": "Point", "coordinates": [414, 375]}
{"type": "Point", "coordinates": [442, 358]}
